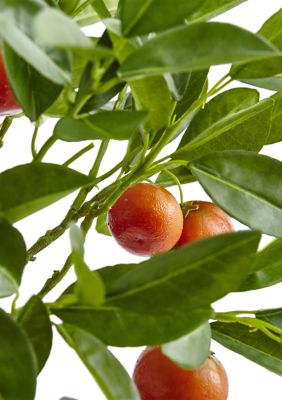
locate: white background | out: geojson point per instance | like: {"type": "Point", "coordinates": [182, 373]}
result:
{"type": "Point", "coordinates": [64, 374]}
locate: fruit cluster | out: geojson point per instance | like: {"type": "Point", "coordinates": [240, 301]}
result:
{"type": "Point", "coordinates": [147, 220]}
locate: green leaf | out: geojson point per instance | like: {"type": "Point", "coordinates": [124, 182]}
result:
{"type": "Point", "coordinates": [33, 92]}
{"type": "Point", "coordinates": [183, 174]}
{"type": "Point", "coordinates": [275, 134]}
{"type": "Point", "coordinates": [177, 84]}
{"type": "Point", "coordinates": [232, 120]}
{"type": "Point", "coordinates": [16, 29]}
{"type": "Point", "coordinates": [246, 185]}
{"type": "Point", "coordinates": [140, 17]}
{"type": "Point", "coordinates": [117, 125]}
{"type": "Point", "coordinates": [273, 316]}
{"type": "Point", "coordinates": [174, 51]}
{"type": "Point", "coordinates": [254, 345]}
{"type": "Point", "coordinates": [34, 320]}
{"type": "Point", "coordinates": [265, 73]}
{"type": "Point", "coordinates": [17, 362]}
{"type": "Point", "coordinates": [12, 258]}
{"type": "Point", "coordinates": [267, 269]}
{"type": "Point", "coordinates": [192, 350]}
{"type": "Point", "coordinates": [90, 287]}
{"type": "Point", "coordinates": [187, 276]}
{"type": "Point", "coordinates": [101, 363]}
{"type": "Point", "coordinates": [127, 328]}
{"type": "Point", "coordinates": [102, 226]}
{"type": "Point", "coordinates": [28, 188]}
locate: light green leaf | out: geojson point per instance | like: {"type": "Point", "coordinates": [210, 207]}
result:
{"type": "Point", "coordinates": [12, 258]}
{"type": "Point", "coordinates": [275, 134]}
{"type": "Point", "coordinates": [246, 185]}
{"type": "Point", "coordinates": [102, 226]}
{"type": "Point", "coordinates": [101, 363]}
{"type": "Point", "coordinates": [28, 188]}
{"type": "Point", "coordinates": [192, 350]}
{"type": "Point", "coordinates": [174, 51]}
{"type": "Point", "coordinates": [118, 125]}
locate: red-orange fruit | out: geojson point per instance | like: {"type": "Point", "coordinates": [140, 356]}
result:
{"type": "Point", "coordinates": [8, 104]}
{"type": "Point", "coordinates": [146, 220]}
{"type": "Point", "coordinates": [159, 378]}
{"type": "Point", "coordinates": [208, 220]}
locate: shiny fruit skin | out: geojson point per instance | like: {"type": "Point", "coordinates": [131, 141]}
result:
{"type": "Point", "coordinates": [146, 220]}
{"type": "Point", "coordinates": [159, 378]}
{"type": "Point", "coordinates": [208, 220]}
{"type": "Point", "coordinates": [8, 104]}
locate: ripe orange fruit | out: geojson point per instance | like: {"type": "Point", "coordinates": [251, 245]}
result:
{"type": "Point", "coordinates": [146, 220]}
{"type": "Point", "coordinates": [159, 378]}
{"type": "Point", "coordinates": [208, 220]}
{"type": "Point", "coordinates": [8, 104]}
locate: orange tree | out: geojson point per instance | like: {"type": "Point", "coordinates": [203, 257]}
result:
{"type": "Point", "coordinates": [143, 81]}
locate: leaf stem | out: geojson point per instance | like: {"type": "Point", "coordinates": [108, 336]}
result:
{"type": "Point", "coordinates": [78, 154]}
{"type": "Point", "coordinates": [176, 180]}
{"type": "Point", "coordinates": [4, 128]}
{"type": "Point", "coordinates": [33, 140]}
{"type": "Point", "coordinates": [101, 9]}
{"type": "Point", "coordinates": [44, 149]}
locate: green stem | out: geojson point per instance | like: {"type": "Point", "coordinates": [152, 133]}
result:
{"type": "Point", "coordinates": [176, 180]}
{"type": "Point", "coordinates": [4, 128]}
{"type": "Point", "coordinates": [44, 149]}
{"type": "Point", "coordinates": [101, 9]}
{"type": "Point", "coordinates": [33, 140]}
{"type": "Point", "coordinates": [78, 154]}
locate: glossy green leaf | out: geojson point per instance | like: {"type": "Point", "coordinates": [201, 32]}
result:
{"type": "Point", "coordinates": [267, 269]}
{"type": "Point", "coordinates": [191, 350]}
{"type": "Point", "coordinates": [265, 73]}
{"type": "Point", "coordinates": [246, 185]}
{"type": "Point", "coordinates": [127, 328]}
{"type": "Point", "coordinates": [16, 29]}
{"type": "Point", "coordinates": [101, 363]}
{"type": "Point", "coordinates": [117, 125]}
{"type": "Point", "coordinates": [34, 320]}
{"type": "Point", "coordinates": [183, 174]}
{"type": "Point", "coordinates": [187, 276]}
{"type": "Point", "coordinates": [102, 226]}
{"type": "Point", "coordinates": [254, 345]}
{"type": "Point", "coordinates": [17, 362]}
{"type": "Point", "coordinates": [232, 120]}
{"type": "Point", "coordinates": [140, 17]}
{"type": "Point", "coordinates": [28, 188]}
{"type": "Point", "coordinates": [177, 84]}
{"type": "Point", "coordinates": [174, 51]}
{"type": "Point", "coordinates": [275, 134]}
{"type": "Point", "coordinates": [12, 258]}
{"type": "Point", "coordinates": [33, 92]}
{"type": "Point", "coordinates": [273, 316]}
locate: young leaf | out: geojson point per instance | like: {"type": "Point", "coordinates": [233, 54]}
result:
{"type": "Point", "coordinates": [232, 120]}
{"type": "Point", "coordinates": [101, 363]}
{"type": "Point", "coordinates": [117, 125]}
{"type": "Point", "coordinates": [33, 92]}
{"type": "Point", "coordinates": [12, 258]}
{"type": "Point", "coordinates": [17, 362]}
{"type": "Point", "coordinates": [102, 226]}
{"type": "Point", "coordinates": [273, 316]}
{"type": "Point", "coordinates": [90, 287]}
{"type": "Point", "coordinates": [267, 268]}
{"type": "Point", "coordinates": [187, 276]}
{"type": "Point", "coordinates": [139, 17]}
{"type": "Point", "coordinates": [127, 328]}
{"type": "Point", "coordinates": [246, 185]}
{"type": "Point", "coordinates": [174, 51]}
{"type": "Point", "coordinates": [275, 134]}
{"type": "Point", "coordinates": [191, 350]}
{"type": "Point", "coordinates": [254, 345]}
{"type": "Point", "coordinates": [28, 188]}
{"type": "Point", "coordinates": [35, 322]}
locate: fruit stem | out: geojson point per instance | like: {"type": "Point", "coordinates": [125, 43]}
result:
{"type": "Point", "coordinates": [176, 180]}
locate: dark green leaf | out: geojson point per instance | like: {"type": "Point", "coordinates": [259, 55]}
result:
{"type": "Point", "coordinates": [33, 92]}
{"type": "Point", "coordinates": [16, 29]}
{"type": "Point", "coordinates": [191, 350]}
{"type": "Point", "coordinates": [12, 258]}
{"type": "Point", "coordinates": [99, 100]}
{"type": "Point", "coordinates": [126, 328]}
{"type": "Point", "coordinates": [101, 363]}
{"type": "Point", "coordinates": [34, 320]}
{"type": "Point", "coordinates": [174, 51]}
{"type": "Point", "coordinates": [183, 174]}
{"type": "Point", "coordinates": [275, 134]}
{"type": "Point", "coordinates": [232, 120]}
{"type": "Point", "coordinates": [254, 345]}
{"type": "Point", "coordinates": [246, 185]}
{"type": "Point", "coordinates": [265, 73]}
{"type": "Point", "coordinates": [17, 362]}
{"type": "Point", "coordinates": [267, 269]}
{"type": "Point", "coordinates": [102, 226]}
{"type": "Point", "coordinates": [177, 84]}
{"type": "Point", "coordinates": [118, 125]}
{"type": "Point", "coordinates": [197, 86]}
{"type": "Point", "coordinates": [187, 276]}
{"type": "Point", "coordinates": [273, 316]}
{"type": "Point", "coordinates": [140, 17]}
{"type": "Point", "coordinates": [28, 188]}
